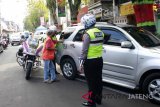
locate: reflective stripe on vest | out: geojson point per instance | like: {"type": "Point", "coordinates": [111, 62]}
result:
{"type": "Point", "coordinates": [96, 41]}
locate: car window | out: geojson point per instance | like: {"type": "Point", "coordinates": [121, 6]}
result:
{"type": "Point", "coordinates": [67, 32]}
{"type": "Point", "coordinates": [65, 35]}
{"type": "Point", "coordinates": [115, 37]}
{"type": "Point", "coordinates": [79, 35]}
{"type": "Point", "coordinates": [143, 37]}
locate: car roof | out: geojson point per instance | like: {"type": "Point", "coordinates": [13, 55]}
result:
{"type": "Point", "coordinates": [124, 25]}
{"type": "Point", "coordinates": [98, 24]}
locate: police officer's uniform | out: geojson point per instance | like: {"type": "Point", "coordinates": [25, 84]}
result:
{"type": "Point", "coordinates": [92, 53]}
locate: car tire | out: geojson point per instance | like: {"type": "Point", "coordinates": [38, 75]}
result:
{"type": "Point", "coordinates": [28, 71]}
{"type": "Point", "coordinates": [152, 84]}
{"type": "Point", "coordinates": [12, 44]}
{"type": "Point", "coordinates": [68, 68]}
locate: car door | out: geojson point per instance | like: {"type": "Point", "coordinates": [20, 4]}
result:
{"type": "Point", "coordinates": [76, 45]}
{"type": "Point", "coordinates": [118, 63]}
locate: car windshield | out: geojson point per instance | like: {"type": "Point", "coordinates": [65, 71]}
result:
{"type": "Point", "coordinates": [143, 37]}
{"type": "Point", "coordinates": [15, 36]}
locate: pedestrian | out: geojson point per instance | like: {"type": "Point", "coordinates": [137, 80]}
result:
{"type": "Point", "coordinates": [48, 56]}
{"type": "Point", "coordinates": [55, 41]}
{"type": "Point", "coordinates": [91, 57]}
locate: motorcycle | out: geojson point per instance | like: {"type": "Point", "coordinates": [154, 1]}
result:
{"type": "Point", "coordinates": [4, 43]}
{"type": "Point", "coordinates": [26, 57]}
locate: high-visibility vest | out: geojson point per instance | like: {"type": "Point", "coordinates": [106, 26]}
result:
{"type": "Point", "coordinates": [54, 39]}
{"type": "Point", "coordinates": [96, 42]}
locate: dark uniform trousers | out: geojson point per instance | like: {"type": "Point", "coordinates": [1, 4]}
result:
{"type": "Point", "coordinates": [93, 74]}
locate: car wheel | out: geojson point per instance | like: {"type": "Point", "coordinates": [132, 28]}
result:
{"type": "Point", "coordinates": [12, 44]}
{"type": "Point", "coordinates": [68, 68]}
{"type": "Point", "coordinates": [151, 87]}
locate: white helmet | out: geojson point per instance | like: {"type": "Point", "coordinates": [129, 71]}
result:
{"type": "Point", "coordinates": [88, 20]}
{"type": "Point", "coordinates": [52, 29]}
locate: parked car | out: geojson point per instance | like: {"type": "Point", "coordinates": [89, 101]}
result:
{"type": "Point", "coordinates": [131, 57]}
{"type": "Point", "coordinates": [15, 39]}
{"type": "Point", "coordinates": [41, 35]}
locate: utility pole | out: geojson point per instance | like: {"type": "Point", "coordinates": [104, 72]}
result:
{"type": "Point", "coordinates": [114, 11]}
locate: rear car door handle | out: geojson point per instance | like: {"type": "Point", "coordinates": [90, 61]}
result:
{"type": "Point", "coordinates": [104, 50]}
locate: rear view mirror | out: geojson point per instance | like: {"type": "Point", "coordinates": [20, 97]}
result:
{"type": "Point", "coordinates": [127, 44]}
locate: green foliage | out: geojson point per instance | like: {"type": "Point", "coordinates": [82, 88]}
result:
{"type": "Point", "coordinates": [36, 9]}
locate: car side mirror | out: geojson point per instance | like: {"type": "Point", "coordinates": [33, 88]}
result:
{"type": "Point", "coordinates": [127, 44]}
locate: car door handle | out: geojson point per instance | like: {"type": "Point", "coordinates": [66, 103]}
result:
{"type": "Point", "coordinates": [104, 50]}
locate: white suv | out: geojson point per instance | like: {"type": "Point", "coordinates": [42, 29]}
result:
{"type": "Point", "coordinates": [131, 57]}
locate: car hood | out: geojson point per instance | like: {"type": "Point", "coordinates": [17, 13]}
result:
{"type": "Point", "coordinates": [15, 37]}
{"type": "Point", "coordinates": [155, 49]}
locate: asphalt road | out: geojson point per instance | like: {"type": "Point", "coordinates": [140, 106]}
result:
{"type": "Point", "coordinates": [15, 91]}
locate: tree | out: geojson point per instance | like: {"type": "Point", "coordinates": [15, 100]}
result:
{"type": "Point", "coordinates": [51, 5]}
{"type": "Point", "coordinates": [36, 9]}
{"type": "Point", "coordinates": [74, 7]}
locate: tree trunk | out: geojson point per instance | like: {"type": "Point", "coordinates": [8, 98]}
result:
{"type": "Point", "coordinates": [74, 10]}
{"type": "Point", "coordinates": [55, 18]}
{"type": "Point", "coordinates": [51, 19]}
{"type": "Point", "coordinates": [74, 17]}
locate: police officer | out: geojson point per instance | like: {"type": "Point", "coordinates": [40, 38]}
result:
{"type": "Point", "coordinates": [92, 57]}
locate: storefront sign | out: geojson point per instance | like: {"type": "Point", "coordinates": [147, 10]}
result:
{"type": "Point", "coordinates": [126, 9]}
{"type": "Point", "coordinates": [97, 12]}
{"type": "Point", "coordinates": [107, 14]}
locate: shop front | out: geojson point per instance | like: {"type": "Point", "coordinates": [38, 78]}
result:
{"type": "Point", "coordinates": [102, 9]}
{"type": "Point", "coordinates": [127, 14]}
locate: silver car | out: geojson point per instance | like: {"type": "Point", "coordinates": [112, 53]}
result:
{"type": "Point", "coordinates": [131, 57]}
{"type": "Point", "coordinates": [15, 39]}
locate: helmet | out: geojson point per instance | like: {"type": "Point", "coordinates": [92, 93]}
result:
{"type": "Point", "coordinates": [52, 29]}
{"type": "Point", "coordinates": [88, 20]}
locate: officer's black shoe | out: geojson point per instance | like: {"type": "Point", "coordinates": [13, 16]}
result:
{"type": "Point", "coordinates": [88, 104]}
